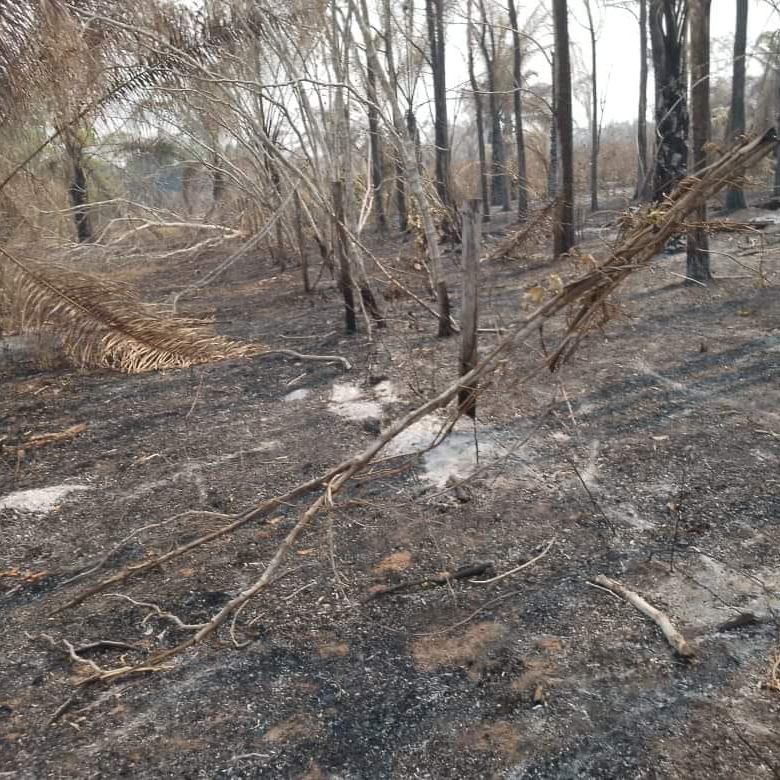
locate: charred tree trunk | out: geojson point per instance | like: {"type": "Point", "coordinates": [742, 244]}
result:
{"type": "Point", "coordinates": [667, 35]}
{"type": "Point", "coordinates": [564, 213]}
{"type": "Point", "coordinates": [698, 261]}
{"type": "Point", "coordinates": [735, 195]}
{"type": "Point", "coordinates": [217, 181]}
{"type": "Point", "coordinates": [552, 168]}
{"type": "Point", "coordinates": [469, 313]}
{"type": "Point", "coordinates": [414, 133]}
{"type": "Point", "coordinates": [400, 196]}
{"type": "Point", "coordinates": [517, 77]}
{"type": "Point", "coordinates": [78, 190]}
{"type": "Point", "coordinates": [345, 272]}
{"type": "Point", "coordinates": [79, 200]}
{"type": "Point", "coordinates": [642, 177]}
{"type": "Point", "coordinates": [483, 182]}
{"type": "Point", "coordinates": [499, 185]}
{"type": "Point", "coordinates": [376, 152]}
{"type": "Point", "coordinates": [301, 243]}
{"type": "Point", "coordinates": [434, 14]}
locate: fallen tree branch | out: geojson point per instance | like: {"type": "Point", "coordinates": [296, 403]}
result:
{"type": "Point", "coordinates": [436, 579]}
{"type": "Point", "coordinates": [673, 636]}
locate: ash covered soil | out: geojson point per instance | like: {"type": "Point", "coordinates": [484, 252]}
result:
{"type": "Point", "coordinates": [653, 457]}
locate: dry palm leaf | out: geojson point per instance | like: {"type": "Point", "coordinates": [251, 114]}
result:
{"type": "Point", "coordinates": [102, 322]}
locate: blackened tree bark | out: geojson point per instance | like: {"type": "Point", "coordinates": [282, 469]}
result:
{"type": "Point", "coordinates": [499, 186]}
{"type": "Point", "coordinates": [642, 177]}
{"type": "Point", "coordinates": [483, 182]}
{"type": "Point", "coordinates": [414, 133]}
{"type": "Point", "coordinates": [563, 230]}
{"type": "Point", "coordinates": [667, 37]}
{"type": "Point", "coordinates": [552, 168]}
{"type": "Point", "coordinates": [434, 14]}
{"type": "Point", "coordinates": [594, 118]}
{"type": "Point", "coordinates": [517, 76]}
{"type": "Point", "coordinates": [376, 152]}
{"type": "Point", "coordinates": [698, 261]}
{"type": "Point", "coordinates": [78, 188]}
{"type": "Point", "coordinates": [217, 180]}
{"type": "Point", "coordinates": [342, 245]}
{"type": "Point", "coordinates": [735, 196]}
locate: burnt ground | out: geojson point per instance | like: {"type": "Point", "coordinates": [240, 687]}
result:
{"type": "Point", "coordinates": [670, 417]}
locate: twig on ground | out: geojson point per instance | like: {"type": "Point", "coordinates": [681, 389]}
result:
{"type": "Point", "coordinates": [64, 707]}
{"type": "Point", "coordinates": [156, 610]}
{"type": "Point", "coordinates": [471, 616]}
{"type": "Point", "coordinates": [106, 643]}
{"type": "Point", "coordinates": [68, 649]}
{"type": "Point", "coordinates": [596, 504]}
{"type": "Point", "coordinates": [43, 439]}
{"type": "Point", "coordinates": [674, 637]}
{"type": "Point", "coordinates": [116, 548]}
{"type": "Point", "coordinates": [517, 569]}
{"type": "Point", "coordinates": [437, 579]}
{"type": "Point", "coordinates": [195, 398]}
{"type": "Point", "coordinates": [315, 358]}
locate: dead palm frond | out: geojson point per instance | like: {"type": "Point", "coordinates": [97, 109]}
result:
{"type": "Point", "coordinates": [102, 322]}
{"type": "Point", "coordinates": [23, 26]}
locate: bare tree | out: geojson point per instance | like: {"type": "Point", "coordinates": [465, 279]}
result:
{"type": "Point", "coordinates": [563, 231]}
{"type": "Point", "coordinates": [642, 177]}
{"type": "Point", "coordinates": [374, 140]}
{"type": "Point", "coordinates": [517, 78]}
{"type": "Point", "coordinates": [698, 261]}
{"type": "Point", "coordinates": [411, 169]}
{"type": "Point", "coordinates": [735, 196]}
{"type": "Point", "coordinates": [434, 14]}
{"type": "Point", "coordinates": [483, 183]}
{"type": "Point", "coordinates": [392, 74]}
{"type": "Point", "coordinates": [595, 123]}
{"type": "Point", "coordinates": [499, 187]}
{"type": "Point", "coordinates": [552, 166]}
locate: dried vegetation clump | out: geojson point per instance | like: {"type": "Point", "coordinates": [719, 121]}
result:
{"type": "Point", "coordinates": [102, 322]}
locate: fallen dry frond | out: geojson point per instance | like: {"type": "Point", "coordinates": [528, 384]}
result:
{"type": "Point", "coordinates": [773, 683]}
{"type": "Point", "coordinates": [102, 322]}
{"type": "Point", "coordinates": [541, 224]}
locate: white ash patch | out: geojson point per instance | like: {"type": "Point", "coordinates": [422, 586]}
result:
{"type": "Point", "coordinates": [347, 400]}
{"type": "Point", "coordinates": [386, 392]}
{"type": "Point", "coordinates": [455, 457]}
{"type": "Point", "coordinates": [297, 395]}
{"type": "Point", "coordinates": [39, 500]}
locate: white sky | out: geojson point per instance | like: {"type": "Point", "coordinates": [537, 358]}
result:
{"type": "Point", "coordinates": [618, 51]}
